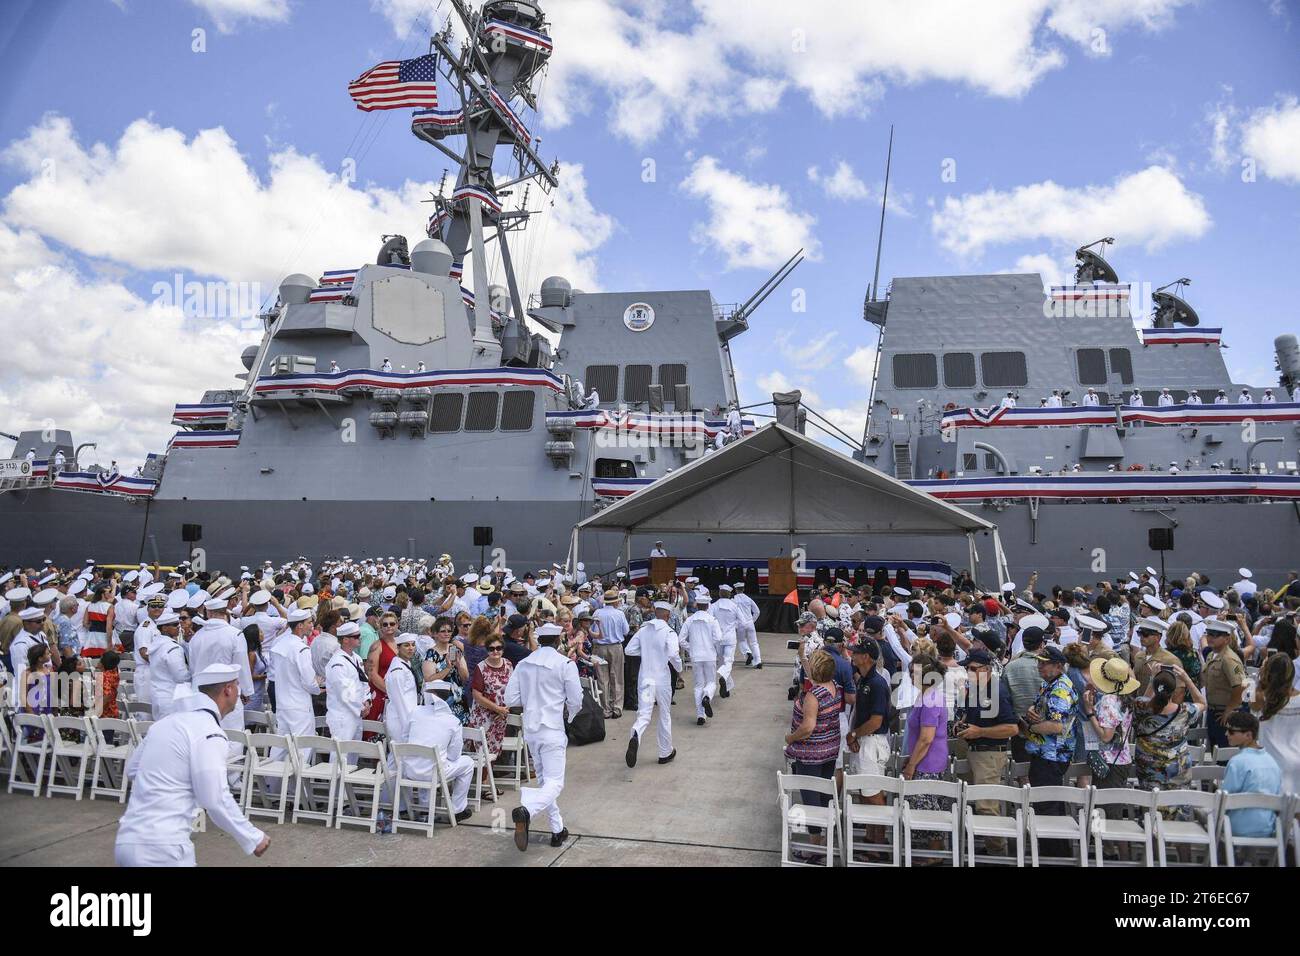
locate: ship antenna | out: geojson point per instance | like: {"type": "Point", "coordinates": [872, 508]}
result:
{"type": "Point", "coordinates": [884, 196]}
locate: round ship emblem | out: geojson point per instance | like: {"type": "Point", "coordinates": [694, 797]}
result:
{"type": "Point", "coordinates": [639, 317]}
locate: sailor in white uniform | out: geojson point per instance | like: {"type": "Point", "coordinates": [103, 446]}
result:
{"type": "Point", "coordinates": [1091, 397]}
{"type": "Point", "coordinates": [1244, 398]}
{"type": "Point", "coordinates": [32, 634]}
{"type": "Point", "coordinates": [434, 725]}
{"type": "Point", "coordinates": [1245, 587]}
{"type": "Point", "coordinates": [728, 617]}
{"type": "Point", "coordinates": [347, 691]}
{"type": "Point", "coordinates": [1009, 401]}
{"type": "Point", "coordinates": [658, 550]}
{"type": "Point", "coordinates": [746, 635]}
{"type": "Point", "coordinates": [146, 636]}
{"type": "Point", "coordinates": [1055, 400]}
{"type": "Point", "coordinates": [399, 683]}
{"type": "Point", "coordinates": [735, 428]}
{"type": "Point", "coordinates": [1221, 397]}
{"type": "Point", "coordinates": [295, 681]}
{"type": "Point", "coordinates": [1194, 398]}
{"type": "Point", "coordinates": [387, 366]}
{"type": "Point", "coordinates": [700, 636]}
{"type": "Point", "coordinates": [178, 768]}
{"type": "Point", "coordinates": [217, 642]}
{"type": "Point", "coordinates": [658, 647]}
{"type": "Point", "coordinates": [545, 684]}
{"type": "Point", "coordinates": [168, 669]}
{"type": "Point", "coordinates": [1135, 399]}
{"type": "Point", "coordinates": [1165, 399]}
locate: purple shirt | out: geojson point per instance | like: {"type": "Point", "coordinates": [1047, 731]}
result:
{"type": "Point", "coordinates": [930, 711]}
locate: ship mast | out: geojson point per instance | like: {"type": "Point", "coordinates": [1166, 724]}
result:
{"type": "Point", "coordinates": [870, 309]}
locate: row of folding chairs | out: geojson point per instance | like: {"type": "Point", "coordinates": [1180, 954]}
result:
{"type": "Point", "coordinates": [1078, 817]}
{"type": "Point", "coordinates": [60, 754]}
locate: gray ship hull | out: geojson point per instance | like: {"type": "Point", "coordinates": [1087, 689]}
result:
{"type": "Point", "coordinates": [1071, 543]}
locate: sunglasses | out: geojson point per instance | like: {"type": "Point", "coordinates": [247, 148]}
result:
{"type": "Point", "coordinates": [444, 630]}
{"type": "Point", "coordinates": [388, 624]}
{"type": "Point", "coordinates": [495, 649]}
{"type": "Point", "coordinates": [463, 624]}
{"type": "Point", "coordinates": [184, 617]}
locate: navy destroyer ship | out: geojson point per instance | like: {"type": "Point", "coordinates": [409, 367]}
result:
{"type": "Point", "coordinates": [390, 410]}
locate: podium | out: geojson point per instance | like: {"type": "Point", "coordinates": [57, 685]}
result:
{"type": "Point", "coordinates": [662, 571]}
{"type": "Point", "coordinates": [781, 576]}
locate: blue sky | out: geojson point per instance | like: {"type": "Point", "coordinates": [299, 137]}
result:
{"type": "Point", "coordinates": [1143, 138]}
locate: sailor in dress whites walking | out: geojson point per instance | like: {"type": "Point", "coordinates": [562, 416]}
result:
{"type": "Point", "coordinates": [747, 636]}
{"type": "Point", "coordinates": [347, 691]}
{"type": "Point", "coordinates": [728, 615]}
{"type": "Point", "coordinates": [178, 768]}
{"type": "Point", "coordinates": [700, 636]}
{"type": "Point", "coordinates": [217, 642]}
{"type": "Point", "coordinates": [657, 645]}
{"type": "Point", "coordinates": [296, 681]}
{"type": "Point", "coordinates": [168, 669]}
{"type": "Point", "coordinates": [545, 684]}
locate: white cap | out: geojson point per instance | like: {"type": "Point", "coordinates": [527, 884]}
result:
{"type": "Point", "coordinates": [31, 614]}
{"type": "Point", "coordinates": [1152, 624]}
{"type": "Point", "coordinates": [406, 638]}
{"type": "Point", "coordinates": [130, 576]}
{"type": "Point", "coordinates": [227, 594]}
{"type": "Point", "coordinates": [1034, 620]}
{"type": "Point", "coordinates": [703, 598]}
{"type": "Point", "coordinates": [902, 592]}
{"type": "Point", "coordinates": [1152, 571]}
{"type": "Point", "coordinates": [952, 619]}
{"type": "Point", "coordinates": [724, 588]}
{"type": "Point", "coordinates": [663, 606]}
{"type": "Point", "coordinates": [470, 578]}
{"type": "Point", "coordinates": [348, 629]}
{"type": "Point", "coordinates": [1009, 587]}
{"type": "Point", "coordinates": [298, 615]}
{"type": "Point", "coordinates": [549, 630]}
{"type": "Point", "coordinates": [17, 594]}
{"type": "Point", "coordinates": [1245, 573]}
{"type": "Point", "coordinates": [692, 580]}
{"type": "Point", "coordinates": [77, 586]}
{"type": "Point", "coordinates": [216, 674]}
{"type": "Point", "coordinates": [1091, 623]}
{"type": "Point", "coordinates": [6, 577]}
{"type": "Point", "coordinates": [1133, 575]}
{"type": "Point", "coordinates": [1215, 626]}
{"type": "Point", "coordinates": [1151, 601]}
{"type": "Point", "coordinates": [47, 596]}
{"type": "Point", "coordinates": [260, 597]}
{"type": "Point", "coordinates": [167, 617]}
{"type": "Point", "coordinates": [1212, 600]}
{"type": "Point", "coordinates": [149, 591]}
{"type": "Point", "coordinates": [307, 588]}
{"type": "Point", "coordinates": [177, 599]}
{"type": "Point", "coordinates": [438, 685]}
{"type": "Point", "coordinates": [216, 604]}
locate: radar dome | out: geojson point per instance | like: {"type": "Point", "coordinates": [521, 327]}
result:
{"type": "Point", "coordinates": [249, 356]}
{"type": "Point", "coordinates": [295, 289]}
{"type": "Point", "coordinates": [555, 291]}
{"type": "Point", "coordinates": [431, 257]}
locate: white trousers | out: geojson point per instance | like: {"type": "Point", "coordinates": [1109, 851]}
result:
{"type": "Point", "coordinates": [727, 657]}
{"type": "Point", "coordinates": [299, 723]}
{"type": "Point", "coordinates": [549, 749]}
{"type": "Point", "coordinates": [154, 854]}
{"type": "Point", "coordinates": [460, 774]}
{"type": "Point", "coordinates": [748, 640]}
{"type": "Point", "coordinates": [652, 691]}
{"type": "Point", "coordinates": [706, 683]}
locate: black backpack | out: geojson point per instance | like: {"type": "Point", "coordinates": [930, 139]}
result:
{"type": "Point", "coordinates": [588, 724]}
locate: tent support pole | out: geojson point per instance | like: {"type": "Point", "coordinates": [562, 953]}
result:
{"type": "Point", "coordinates": [573, 552]}
{"type": "Point", "coordinates": [627, 553]}
{"type": "Point", "coordinates": [1001, 558]}
{"type": "Point", "coordinates": [973, 557]}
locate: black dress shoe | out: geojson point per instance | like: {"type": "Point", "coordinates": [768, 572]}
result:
{"type": "Point", "coordinates": [521, 816]}
{"type": "Point", "coordinates": [464, 815]}
{"type": "Point", "coordinates": [708, 706]}
{"type": "Point", "coordinates": [758, 667]}
{"type": "Point", "coordinates": [699, 721]}
{"type": "Point", "coordinates": [557, 839]}
{"type": "Point", "coordinates": [749, 659]}
{"type": "Point", "coordinates": [722, 688]}
{"type": "Point", "coordinates": [631, 750]}
{"type": "Point", "coordinates": [668, 758]}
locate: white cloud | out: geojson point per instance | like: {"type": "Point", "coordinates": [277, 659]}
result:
{"type": "Point", "coordinates": [1151, 207]}
{"type": "Point", "coordinates": [1220, 118]}
{"type": "Point", "coordinates": [777, 381]}
{"type": "Point", "coordinates": [84, 369]}
{"type": "Point", "coordinates": [564, 239]}
{"type": "Point", "coordinates": [807, 354]}
{"type": "Point", "coordinates": [843, 183]}
{"type": "Point", "coordinates": [861, 363]}
{"type": "Point", "coordinates": [1054, 271]}
{"type": "Point", "coordinates": [752, 224]}
{"type": "Point", "coordinates": [228, 14]}
{"type": "Point", "coordinates": [1271, 136]}
{"type": "Point", "coordinates": [1089, 22]}
{"type": "Point", "coordinates": [404, 15]}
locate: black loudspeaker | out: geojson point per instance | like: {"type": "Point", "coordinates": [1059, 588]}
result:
{"type": "Point", "coordinates": [482, 536]}
{"type": "Point", "coordinates": [191, 532]}
{"type": "Point", "coordinates": [1160, 539]}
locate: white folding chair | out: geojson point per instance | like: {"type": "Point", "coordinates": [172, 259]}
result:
{"type": "Point", "coordinates": [139, 709]}
{"type": "Point", "coordinates": [1004, 826]}
{"type": "Point", "coordinates": [322, 726]}
{"type": "Point", "coordinates": [139, 728]}
{"type": "Point", "coordinates": [70, 760]}
{"type": "Point", "coordinates": [417, 794]}
{"type": "Point", "coordinates": [1132, 824]}
{"type": "Point", "coordinates": [6, 741]}
{"type": "Point", "coordinates": [1016, 770]}
{"type": "Point", "coordinates": [887, 816]}
{"type": "Point", "coordinates": [1207, 776]}
{"type": "Point", "coordinates": [113, 745]}
{"type": "Point", "coordinates": [317, 774]}
{"type": "Point", "coordinates": [1275, 843]}
{"type": "Point", "coordinates": [1071, 826]}
{"type": "Point", "coordinates": [1197, 753]}
{"type": "Point", "coordinates": [266, 793]}
{"type": "Point", "coordinates": [376, 727]}
{"type": "Point", "coordinates": [31, 750]}
{"type": "Point", "coordinates": [477, 748]}
{"type": "Point", "coordinates": [259, 721]}
{"type": "Point", "coordinates": [361, 788]}
{"type": "Point", "coordinates": [797, 817]}
{"type": "Point", "coordinates": [1224, 754]}
{"type": "Point", "coordinates": [237, 763]}
{"type": "Point", "coordinates": [932, 821]}
{"type": "Point", "coordinates": [518, 767]}
{"type": "Point", "coordinates": [1187, 832]}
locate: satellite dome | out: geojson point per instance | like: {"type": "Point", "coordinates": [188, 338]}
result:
{"type": "Point", "coordinates": [295, 289]}
{"type": "Point", "coordinates": [555, 291]}
{"type": "Point", "coordinates": [249, 356]}
{"type": "Point", "coordinates": [431, 257]}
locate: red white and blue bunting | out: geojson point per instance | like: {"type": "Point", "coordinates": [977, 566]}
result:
{"type": "Point", "coordinates": [1094, 292]}
{"type": "Point", "coordinates": [369, 379]}
{"type": "Point", "coordinates": [106, 483]}
{"type": "Point", "coordinates": [1128, 415]}
{"type": "Point", "coordinates": [1181, 336]}
{"type": "Point", "coordinates": [516, 35]}
{"type": "Point", "coordinates": [329, 293]}
{"type": "Point", "coordinates": [619, 487]}
{"type": "Point", "coordinates": [1112, 485]}
{"type": "Point", "coordinates": [485, 196]}
{"type": "Point", "coordinates": [205, 439]}
{"type": "Point", "coordinates": [213, 413]}
{"type": "Point", "coordinates": [920, 573]}
{"type": "Point", "coordinates": [436, 124]}
{"type": "Point", "coordinates": [339, 277]}
{"type": "Point", "coordinates": [517, 128]}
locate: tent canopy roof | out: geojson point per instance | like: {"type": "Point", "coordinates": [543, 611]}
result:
{"type": "Point", "coordinates": [779, 481]}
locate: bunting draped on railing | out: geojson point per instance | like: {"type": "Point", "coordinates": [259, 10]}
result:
{"type": "Point", "coordinates": [1181, 336]}
{"type": "Point", "coordinates": [368, 379]}
{"type": "Point", "coordinates": [1113, 485]}
{"type": "Point", "coordinates": [208, 439]}
{"type": "Point", "coordinates": [40, 468]}
{"type": "Point", "coordinates": [517, 127]}
{"type": "Point", "coordinates": [474, 191]}
{"type": "Point", "coordinates": [920, 573]}
{"type": "Point", "coordinates": [436, 124]}
{"type": "Point", "coordinates": [649, 422]}
{"type": "Point", "coordinates": [619, 487]}
{"type": "Point", "coordinates": [329, 293]}
{"type": "Point", "coordinates": [339, 277]}
{"type": "Point", "coordinates": [1097, 291]}
{"type": "Point", "coordinates": [105, 483]}
{"type": "Point", "coordinates": [214, 413]}
{"type": "Point", "coordinates": [1128, 415]}
{"type": "Point", "coordinates": [516, 35]}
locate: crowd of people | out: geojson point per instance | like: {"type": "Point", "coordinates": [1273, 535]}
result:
{"type": "Point", "coordinates": [1114, 676]}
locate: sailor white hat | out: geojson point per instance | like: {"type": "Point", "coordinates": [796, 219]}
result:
{"type": "Point", "coordinates": [226, 594]}
{"type": "Point", "coordinates": [30, 614]}
{"type": "Point", "coordinates": [1215, 626]}
{"type": "Point", "coordinates": [17, 594]}
{"type": "Point", "coordinates": [1152, 571]}
{"type": "Point", "coordinates": [1152, 624]}
{"type": "Point", "coordinates": [216, 604]}
{"type": "Point", "coordinates": [438, 685]}
{"type": "Point", "coordinates": [6, 577]}
{"type": "Point", "coordinates": [1089, 622]}
{"type": "Point", "coordinates": [469, 578]}
{"type": "Point", "coordinates": [1009, 587]}
{"type": "Point", "coordinates": [197, 599]}
{"type": "Point", "coordinates": [178, 599]}
{"type": "Point", "coordinates": [724, 588]}
{"type": "Point", "coordinates": [1210, 599]}
{"type": "Point", "coordinates": [902, 592]}
{"type": "Point", "coordinates": [1245, 573]}
{"type": "Point", "coordinates": [952, 619]}
{"type": "Point", "coordinates": [406, 638]}
{"type": "Point", "coordinates": [47, 596]}
{"type": "Point", "coordinates": [1133, 575]}
{"type": "Point", "coordinates": [663, 606]}
{"type": "Point", "coordinates": [702, 597]}
{"type": "Point", "coordinates": [166, 618]}
{"type": "Point", "coordinates": [1151, 601]}
{"type": "Point", "coordinates": [152, 589]}
{"type": "Point", "coordinates": [1034, 620]}
{"type": "Point", "coordinates": [260, 597]}
{"type": "Point", "coordinates": [47, 578]}
{"type": "Point", "coordinates": [216, 674]}
{"type": "Point", "coordinates": [692, 580]}
{"type": "Point", "coordinates": [549, 630]}
{"type": "Point", "coordinates": [348, 629]}
{"type": "Point", "coordinates": [298, 615]}
{"type": "Point", "coordinates": [77, 586]}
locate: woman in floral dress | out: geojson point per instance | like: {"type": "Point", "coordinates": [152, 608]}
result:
{"type": "Point", "coordinates": [444, 660]}
{"type": "Point", "coordinates": [489, 683]}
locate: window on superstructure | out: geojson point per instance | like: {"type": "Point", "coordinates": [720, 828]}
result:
{"type": "Point", "coordinates": [1180, 395]}
{"type": "Point", "coordinates": [615, 468]}
{"type": "Point", "coordinates": [670, 376]}
{"type": "Point", "coordinates": [990, 462]}
{"type": "Point", "coordinates": [959, 370]}
{"type": "Point", "coordinates": [1121, 364]}
{"type": "Point", "coordinates": [1151, 397]}
{"type": "Point", "coordinates": [969, 461]}
{"type": "Point", "coordinates": [445, 416]}
{"type": "Point", "coordinates": [517, 411]}
{"type": "Point", "coordinates": [1002, 369]}
{"type": "Point", "coordinates": [915, 370]}
{"type": "Point", "coordinates": [481, 412]}
{"type": "Point", "coordinates": [604, 379]}
{"type": "Point", "coordinates": [636, 383]}
{"type": "Point", "coordinates": [1092, 366]}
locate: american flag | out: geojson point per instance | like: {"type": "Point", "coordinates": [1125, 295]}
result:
{"type": "Point", "coordinates": [397, 84]}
